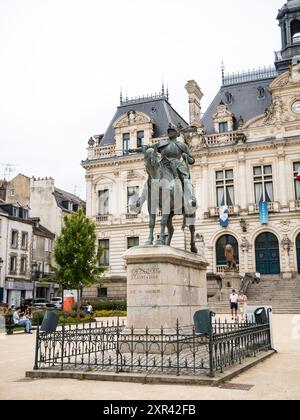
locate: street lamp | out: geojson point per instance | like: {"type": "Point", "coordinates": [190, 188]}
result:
{"type": "Point", "coordinates": [34, 267]}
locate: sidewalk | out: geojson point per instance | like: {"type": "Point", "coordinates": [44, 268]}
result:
{"type": "Point", "coordinates": [277, 378]}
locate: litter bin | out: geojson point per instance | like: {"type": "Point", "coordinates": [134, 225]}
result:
{"type": "Point", "coordinates": [203, 322]}
{"type": "Point", "coordinates": [50, 322]}
{"type": "Point", "coordinates": [261, 316]}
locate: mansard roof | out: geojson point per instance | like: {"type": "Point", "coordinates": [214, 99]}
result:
{"type": "Point", "coordinates": [156, 107]}
{"type": "Point", "coordinates": [243, 90]}
{"type": "Point", "coordinates": [62, 197]}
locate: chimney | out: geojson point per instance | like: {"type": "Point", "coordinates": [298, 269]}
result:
{"type": "Point", "coordinates": [195, 96]}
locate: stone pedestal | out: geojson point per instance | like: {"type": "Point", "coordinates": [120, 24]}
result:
{"type": "Point", "coordinates": [231, 280]}
{"type": "Point", "coordinates": [164, 284]}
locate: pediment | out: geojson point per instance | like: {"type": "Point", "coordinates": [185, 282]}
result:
{"type": "Point", "coordinates": [287, 79]}
{"type": "Point", "coordinates": [132, 118]}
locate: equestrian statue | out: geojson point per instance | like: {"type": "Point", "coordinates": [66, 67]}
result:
{"type": "Point", "coordinates": [168, 188]}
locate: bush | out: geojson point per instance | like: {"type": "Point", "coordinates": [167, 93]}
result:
{"type": "Point", "coordinates": [108, 314]}
{"type": "Point", "coordinates": [64, 318]}
{"type": "Point", "coordinates": [108, 305]}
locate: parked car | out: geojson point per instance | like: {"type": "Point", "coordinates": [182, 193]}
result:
{"type": "Point", "coordinates": [40, 303]}
{"type": "Point", "coordinates": [57, 301]}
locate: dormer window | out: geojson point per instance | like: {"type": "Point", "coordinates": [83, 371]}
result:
{"type": "Point", "coordinates": [15, 212]}
{"type": "Point", "coordinates": [223, 127]}
{"type": "Point", "coordinates": [261, 93]}
{"type": "Point", "coordinates": [228, 98]}
{"type": "Point", "coordinates": [223, 119]}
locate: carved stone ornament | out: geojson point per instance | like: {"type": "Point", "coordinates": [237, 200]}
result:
{"type": "Point", "coordinates": [286, 243]}
{"type": "Point", "coordinates": [245, 245]}
{"type": "Point", "coordinates": [92, 142]}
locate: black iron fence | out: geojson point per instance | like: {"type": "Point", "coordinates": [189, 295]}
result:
{"type": "Point", "coordinates": [112, 347]}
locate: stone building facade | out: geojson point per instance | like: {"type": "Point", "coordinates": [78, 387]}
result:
{"type": "Point", "coordinates": [247, 150]}
{"type": "Point", "coordinates": [16, 232]}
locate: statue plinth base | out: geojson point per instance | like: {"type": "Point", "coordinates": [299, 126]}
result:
{"type": "Point", "coordinates": [164, 285]}
{"type": "Point", "coordinates": [231, 280]}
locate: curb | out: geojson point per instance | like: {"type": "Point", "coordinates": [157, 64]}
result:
{"type": "Point", "coordinates": [149, 379]}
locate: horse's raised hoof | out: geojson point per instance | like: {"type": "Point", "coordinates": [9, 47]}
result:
{"type": "Point", "coordinates": [194, 250]}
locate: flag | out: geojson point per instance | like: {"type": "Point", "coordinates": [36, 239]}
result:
{"type": "Point", "coordinates": [298, 175]}
{"type": "Point", "coordinates": [224, 216]}
{"type": "Point", "coordinates": [263, 213]}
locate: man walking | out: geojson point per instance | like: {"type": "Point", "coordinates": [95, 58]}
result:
{"type": "Point", "coordinates": [234, 299]}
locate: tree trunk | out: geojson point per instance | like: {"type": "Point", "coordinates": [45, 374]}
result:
{"type": "Point", "coordinates": [78, 303]}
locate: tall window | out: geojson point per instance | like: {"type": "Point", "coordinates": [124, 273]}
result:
{"type": "Point", "coordinates": [104, 202]}
{"type": "Point", "coordinates": [297, 182]}
{"type": "Point", "coordinates": [263, 184]}
{"type": "Point", "coordinates": [23, 267]}
{"type": "Point", "coordinates": [47, 245]}
{"type": "Point", "coordinates": [104, 259]}
{"type": "Point", "coordinates": [24, 240]}
{"type": "Point", "coordinates": [34, 243]}
{"type": "Point", "coordinates": [126, 140]}
{"type": "Point", "coordinates": [225, 188]}
{"type": "Point", "coordinates": [14, 239]}
{"type": "Point", "coordinates": [223, 127]}
{"type": "Point", "coordinates": [140, 138]}
{"type": "Point", "coordinates": [132, 196]}
{"type": "Point", "coordinates": [13, 264]}
{"type": "Point", "coordinates": [133, 242]}
{"type": "Point", "coordinates": [102, 293]}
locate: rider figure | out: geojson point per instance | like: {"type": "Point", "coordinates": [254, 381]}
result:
{"type": "Point", "coordinates": [172, 151]}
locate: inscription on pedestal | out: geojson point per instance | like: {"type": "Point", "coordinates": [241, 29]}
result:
{"type": "Point", "coordinates": [143, 274]}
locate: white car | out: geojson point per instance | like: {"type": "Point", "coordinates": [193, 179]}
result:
{"type": "Point", "coordinates": [57, 301]}
{"type": "Point", "coordinates": [40, 303]}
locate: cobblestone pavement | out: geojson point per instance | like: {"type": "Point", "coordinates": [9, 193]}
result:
{"type": "Point", "coordinates": [276, 378]}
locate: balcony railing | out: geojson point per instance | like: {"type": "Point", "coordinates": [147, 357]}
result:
{"type": "Point", "coordinates": [223, 139]}
{"type": "Point", "coordinates": [101, 152]}
{"type": "Point", "coordinates": [232, 210]}
{"type": "Point", "coordinates": [103, 219]}
{"type": "Point", "coordinates": [273, 207]}
{"type": "Point", "coordinates": [131, 216]}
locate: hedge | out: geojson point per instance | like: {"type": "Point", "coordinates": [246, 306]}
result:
{"type": "Point", "coordinates": [64, 318]}
{"type": "Point", "coordinates": [108, 305]}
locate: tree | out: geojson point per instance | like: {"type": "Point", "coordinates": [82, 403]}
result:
{"type": "Point", "coordinates": [76, 255]}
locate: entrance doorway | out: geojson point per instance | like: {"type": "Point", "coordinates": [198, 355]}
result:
{"type": "Point", "coordinates": [267, 254]}
{"type": "Point", "coordinates": [298, 252]}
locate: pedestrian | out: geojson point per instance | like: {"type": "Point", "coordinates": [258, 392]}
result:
{"type": "Point", "coordinates": [89, 309]}
{"type": "Point", "coordinates": [234, 299]}
{"type": "Point", "coordinates": [242, 305]}
{"type": "Point", "coordinates": [20, 322]}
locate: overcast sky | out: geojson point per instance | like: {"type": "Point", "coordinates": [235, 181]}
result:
{"type": "Point", "coordinates": [63, 62]}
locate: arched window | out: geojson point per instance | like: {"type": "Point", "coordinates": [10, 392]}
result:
{"type": "Point", "coordinates": [220, 250]}
{"type": "Point", "coordinates": [295, 31]}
